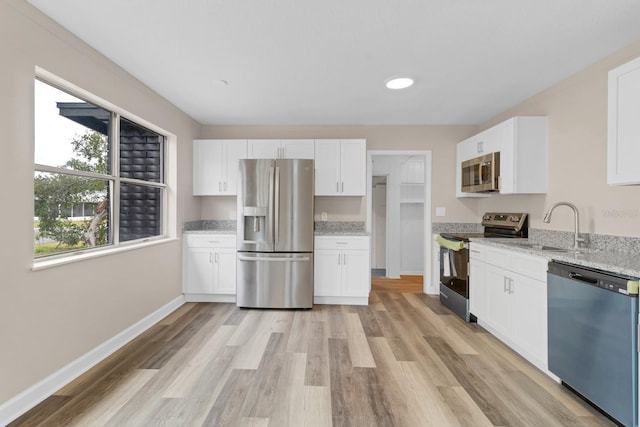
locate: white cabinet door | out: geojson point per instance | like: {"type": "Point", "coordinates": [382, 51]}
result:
{"type": "Point", "coordinates": [523, 155]}
{"type": "Point", "coordinates": [623, 148]}
{"type": "Point", "coordinates": [341, 167]}
{"type": "Point", "coordinates": [477, 289]}
{"type": "Point", "coordinates": [225, 271]}
{"type": "Point", "coordinates": [327, 164]}
{"type": "Point", "coordinates": [355, 274]}
{"type": "Point", "coordinates": [232, 152]}
{"type": "Point", "coordinates": [263, 148]}
{"type": "Point", "coordinates": [499, 304]}
{"type": "Point", "coordinates": [297, 149]}
{"type": "Point", "coordinates": [198, 271]}
{"type": "Point", "coordinates": [530, 320]}
{"type": "Point", "coordinates": [327, 276]}
{"type": "Point", "coordinates": [281, 149]}
{"type": "Point", "coordinates": [215, 166]}
{"type": "Point", "coordinates": [353, 167]}
{"type": "Point", "coordinates": [207, 167]}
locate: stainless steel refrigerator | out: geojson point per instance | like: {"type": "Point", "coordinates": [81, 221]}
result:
{"type": "Point", "coordinates": [275, 233]}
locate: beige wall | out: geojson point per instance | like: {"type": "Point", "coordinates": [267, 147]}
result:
{"type": "Point", "coordinates": [577, 112]}
{"type": "Point", "coordinates": [441, 140]}
{"type": "Point", "coordinates": [49, 318]}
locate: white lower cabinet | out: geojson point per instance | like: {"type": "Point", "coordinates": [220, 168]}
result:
{"type": "Point", "coordinates": [209, 267]}
{"type": "Point", "coordinates": [508, 295]}
{"type": "Point", "coordinates": [341, 270]}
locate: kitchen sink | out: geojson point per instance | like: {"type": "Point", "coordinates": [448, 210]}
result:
{"type": "Point", "coordinates": [547, 248]}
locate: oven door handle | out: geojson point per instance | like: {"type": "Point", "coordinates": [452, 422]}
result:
{"type": "Point", "coordinates": [454, 245]}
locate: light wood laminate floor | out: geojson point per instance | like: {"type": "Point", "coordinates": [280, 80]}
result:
{"type": "Point", "coordinates": [402, 361]}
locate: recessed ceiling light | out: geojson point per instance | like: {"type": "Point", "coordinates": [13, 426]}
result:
{"type": "Point", "coordinates": [399, 83]}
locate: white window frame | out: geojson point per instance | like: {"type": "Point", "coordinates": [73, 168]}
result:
{"type": "Point", "coordinates": [168, 162]}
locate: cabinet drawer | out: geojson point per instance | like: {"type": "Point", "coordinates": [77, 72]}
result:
{"type": "Point", "coordinates": [476, 251]}
{"type": "Point", "coordinates": [530, 266]}
{"type": "Point", "coordinates": [346, 242]}
{"type": "Point", "coordinates": [211, 240]}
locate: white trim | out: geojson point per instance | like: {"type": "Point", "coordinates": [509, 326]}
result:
{"type": "Point", "coordinates": [428, 287]}
{"type": "Point", "coordinates": [68, 258]}
{"type": "Point", "coordinates": [18, 405]}
{"type": "Point", "coordinates": [210, 298]}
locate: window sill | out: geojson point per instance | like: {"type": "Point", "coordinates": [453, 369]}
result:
{"type": "Point", "coordinates": [42, 264]}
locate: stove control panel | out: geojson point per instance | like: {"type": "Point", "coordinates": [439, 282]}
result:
{"type": "Point", "coordinates": [513, 221]}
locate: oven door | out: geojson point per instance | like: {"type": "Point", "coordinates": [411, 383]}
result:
{"type": "Point", "coordinates": [454, 270]}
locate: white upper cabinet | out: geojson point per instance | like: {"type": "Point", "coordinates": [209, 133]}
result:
{"type": "Point", "coordinates": [523, 155]}
{"type": "Point", "coordinates": [215, 166]}
{"type": "Point", "coordinates": [281, 149]}
{"type": "Point", "coordinates": [623, 149]}
{"type": "Point", "coordinates": [340, 167]}
{"type": "Point", "coordinates": [522, 143]}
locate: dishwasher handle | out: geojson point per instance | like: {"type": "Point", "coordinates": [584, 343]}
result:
{"type": "Point", "coordinates": [582, 278]}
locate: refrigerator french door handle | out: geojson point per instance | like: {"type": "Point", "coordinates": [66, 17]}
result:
{"type": "Point", "coordinates": [270, 223]}
{"type": "Point", "coordinates": [276, 203]}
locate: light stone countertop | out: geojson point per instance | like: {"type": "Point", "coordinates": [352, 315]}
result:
{"type": "Point", "coordinates": [341, 233]}
{"type": "Point", "coordinates": [623, 263]}
{"type": "Point", "coordinates": [211, 231]}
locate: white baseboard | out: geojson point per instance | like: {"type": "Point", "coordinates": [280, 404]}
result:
{"type": "Point", "coordinates": [18, 405]}
{"type": "Point", "coordinates": [210, 298]}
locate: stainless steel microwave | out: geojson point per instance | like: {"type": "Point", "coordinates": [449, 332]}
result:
{"type": "Point", "coordinates": [481, 174]}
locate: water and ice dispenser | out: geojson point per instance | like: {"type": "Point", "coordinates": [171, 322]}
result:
{"type": "Point", "coordinates": [255, 229]}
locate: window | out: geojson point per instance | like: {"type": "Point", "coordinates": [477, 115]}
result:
{"type": "Point", "coordinates": [99, 177]}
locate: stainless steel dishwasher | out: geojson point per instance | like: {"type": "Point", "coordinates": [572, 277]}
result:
{"type": "Point", "coordinates": [593, 337]}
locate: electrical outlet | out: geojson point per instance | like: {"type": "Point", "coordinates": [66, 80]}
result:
{"type": "Point", "coordinates": [440, 211]}
{"type": "Point", "coordinates": [324, 216]}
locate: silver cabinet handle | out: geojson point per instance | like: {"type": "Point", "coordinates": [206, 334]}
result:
{"type": "Point", "coordinates": [210, 257]}
{"type": "Point", "coordinates": [504, 283]}
{"type": "Point", "coordinates": [337, 187]}
{"type": "Point", "coordinates": [339, 259]}
{"type": "Point", "coordinates": [344, 259]}
{"type": "Point", "coordinates": [342, 186]}
{"type": "Point", "coordinates": [219, 186]}
{"type": "Point", "coordinates": [225, 186]}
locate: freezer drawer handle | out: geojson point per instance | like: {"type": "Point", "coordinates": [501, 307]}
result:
{"type": "Point", "coordinates": [279, 259]}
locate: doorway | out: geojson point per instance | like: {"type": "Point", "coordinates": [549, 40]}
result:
{"type": "Point", "coordinates": [399, 217]}
{"type": "Point", "coordinates": [379, 226]}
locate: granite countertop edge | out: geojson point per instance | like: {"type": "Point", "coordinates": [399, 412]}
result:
{"type": "Point", "coordinates": [315, 233]}
{"type": "Point", "coordinates": [340, 233]}
{"type": "Point", "coordinates": [211, 231]}
{"type": "Point", "coordinates": [623, 263]}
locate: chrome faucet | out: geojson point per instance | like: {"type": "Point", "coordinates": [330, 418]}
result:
{"type": "Point", "coordinates": [576, 218]}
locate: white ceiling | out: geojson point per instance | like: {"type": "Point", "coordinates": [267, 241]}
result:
{"type": "Point", "coordinates": [312, 62]}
